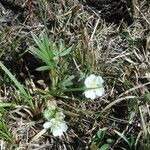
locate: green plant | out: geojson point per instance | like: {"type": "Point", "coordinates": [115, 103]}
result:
{"type": "Point", "coordinates": [4, 133]}
{"type": "Point", "coordinates": [51, 55]}
{"type": "Point", "coordinates": [143, 110]}
{"type": "Point", "coordinates": [48, 52]}
{"type": "Point", "coordinates": [25, 95]}
{"type": "Point", "coordinates": [121, 135]}
{"type": "Point", "coordinates": [101, 141]}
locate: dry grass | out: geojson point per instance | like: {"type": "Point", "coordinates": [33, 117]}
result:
{"type": "Point", "coordinates": [120, 52]}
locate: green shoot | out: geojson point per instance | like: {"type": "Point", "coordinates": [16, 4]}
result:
{"type": "Point", "coordinates": [48, 51]}
{"type": "Point", "coordinates": [20, 87]}
{"type": "Point", "coordinates": [44, 52]}
{"type": "Point", "coordinates": [4, 133]}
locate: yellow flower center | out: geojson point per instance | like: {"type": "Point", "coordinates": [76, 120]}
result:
{"type": "Point", "coordinates": [93, 85]}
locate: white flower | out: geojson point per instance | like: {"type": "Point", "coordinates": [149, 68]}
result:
{"type": "Point", "coordinates": [59, 116]}
{"type": "Point", "coordinates": [95, 82]}
{"type": "Point", "coordinates": [58, 127]}
{"type": "Point", "coordinates": [47, 125]}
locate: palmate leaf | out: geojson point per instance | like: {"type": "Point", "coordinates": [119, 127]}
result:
{"type": "Point", "coordinates": [37, 41]}
{"type": "Point", "coordinates": [48, 46]}
{"type": "Point", "coordinates": [35, 51]}
{"type": "Point", "coordinates": [44, 45]}
{"type": "Point", "coordinates": [44, 51]}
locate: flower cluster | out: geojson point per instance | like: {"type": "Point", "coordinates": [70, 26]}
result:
{"type": "Point", "coordinates": [94, 85]}
{"type": "Point", "coordinates": [55, 118]}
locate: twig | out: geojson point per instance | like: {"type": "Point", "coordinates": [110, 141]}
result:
{"type": "Point", "coordinates": [142, 14]}
{"type": "Point", "coordinates": [134, 88]}
{"type": "Point", "coordinates": [97, 22]}
{"type": "Point", "coordinates": [117, 101]}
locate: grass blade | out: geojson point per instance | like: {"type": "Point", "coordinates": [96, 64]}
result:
{"type": "Point", "coordinates": [123, 137]}
{"type": "Point", "coordinates": [12, 77]}
{"type": "Point", "coordinates": [2, 105]}
{"type": "Point", "coordinates": [18, 85]}
{"type": "Point", "coordinates": [143, 123]}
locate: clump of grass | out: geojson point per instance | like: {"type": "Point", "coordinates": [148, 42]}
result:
{"type": "Point", "coordinates": [5, 134]}
{"type": "Point", "coordinates": [25, 95]}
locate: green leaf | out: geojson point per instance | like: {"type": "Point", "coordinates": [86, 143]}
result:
{"type": "Point", "coordinates": [143, 122]}
{"type": "Point", "coordinates": [61, 46]}
{"type": "Point", "coordinates": [12, 77]}
{"type": "Point", "coordinates": [4, 132]}
{"type": "Point", "coordinates": [39, 54]}
{"type": "Point", "coordinates": [44, 51]}
{"type": "Point", "coordinates": [20, 87]}
{"type": "Point", "coordinates": [48, 46]}
{"type": "Point", "coordinates": [43, 68]}
{"type": "Point", "coordinates": [101, 133]}
{"type": "Point", "coordinates": [147, 96]}
{"type": "Point", "coordinates": [2, 105]}
{"type": "Point", "coordinates": [37, 41]}
{"type": "Point", "coordinates": [110, 141]}
{"type": "Point", "coordinates": [66, 51]}
{"type": "Point", "coordinates": [68, 81]}
{"type": "Point", "coordinates": [105, 147]}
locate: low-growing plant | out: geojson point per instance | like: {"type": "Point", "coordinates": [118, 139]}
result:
{"type": "Point", "coordinates": [100, 140]}
{"type": "Point", "coordinates": [24, 94]}
{"type": "Point", "coordinates": [51, 55]}
{"type": "Point", "coordinates": [4, 133]}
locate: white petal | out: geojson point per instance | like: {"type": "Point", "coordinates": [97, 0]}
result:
{"type": "Point", "coordinates": [90, 94]}
{"type": "Point", "coordinates": [92, 76]}
{"type": "Point", "coordinates": [99, 91]}
{"type": "Point", "coordinates": [88, 80]}
{"type": "Point", "coordinates": [47, 125]}
{"type": "Point", "coordinates": [99, 80]}
{"type": "Point", "coordinates": [64, 127]}
{"type": "Point", "coordinates": [59, 130]}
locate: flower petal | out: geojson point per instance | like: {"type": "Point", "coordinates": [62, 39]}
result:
{"type": "Point", "coordinates": [60, 129]}
{"type": "Point", "coordinates": [63, 126]}
{"type": "Point", "coordinates": [92, 76]}
{"type": "Point", "coordinates": [99, 91]}
{"type": "Point", "coordinates": [90, 94]}
{"type": "Point", "coordinates": [99, 80]}
{"type": "Point", "coordinates": [47, 125]}
{"type": "Point", "coordinates": [57, 132]}
{"type": "Point", "coordinates": [88, 80]}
